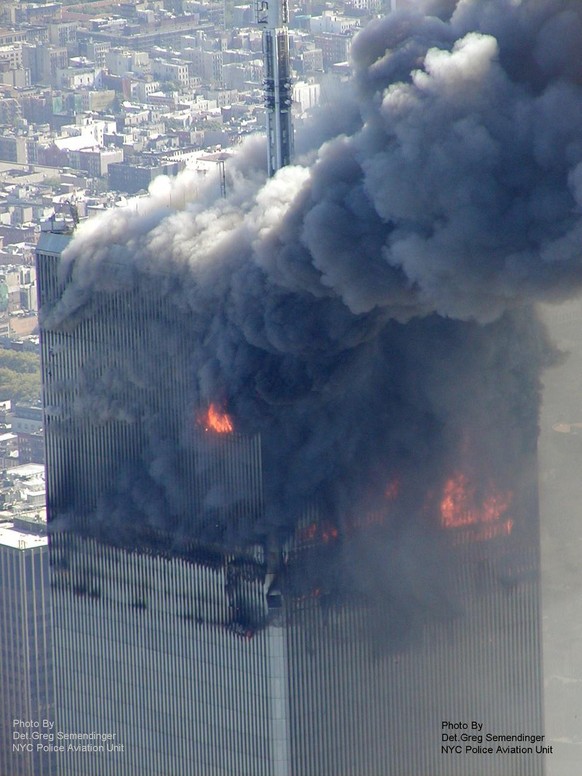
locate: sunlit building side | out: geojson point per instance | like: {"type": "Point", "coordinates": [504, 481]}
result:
{"type": "Point", "coordinates": [26, 650]}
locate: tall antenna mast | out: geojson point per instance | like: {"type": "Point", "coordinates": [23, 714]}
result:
{"type": "Point", "coordinates": [273, 17]}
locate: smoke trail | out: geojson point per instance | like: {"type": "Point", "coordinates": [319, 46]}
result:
{"type": "Point", "coordinates": [457, 192]}
{"type": "Point", "coordinates": [368, 310]}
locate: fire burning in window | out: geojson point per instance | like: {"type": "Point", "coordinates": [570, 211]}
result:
{"type": "Point", "coordinates": [392, 490]}
{"type": "Point", "coordinates": [460, 505]}
{"type": "Point", "coordinates": [215, 419]}
{"type": "Point", "coordinates": [329, 533]}
{"type": "Point", "coordinates": [324, 532]}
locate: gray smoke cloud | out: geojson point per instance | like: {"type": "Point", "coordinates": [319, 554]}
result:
{"type": "Point", "coordinates": [369, 310]}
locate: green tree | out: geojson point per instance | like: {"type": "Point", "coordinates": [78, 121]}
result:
{"type": "Point", "coordinates": [19, 376]}
{"type": "Point", "coordinates": [23, 363]}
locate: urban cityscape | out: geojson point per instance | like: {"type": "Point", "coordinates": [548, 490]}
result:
{"type": "Point", "coordinates": [290, 388]}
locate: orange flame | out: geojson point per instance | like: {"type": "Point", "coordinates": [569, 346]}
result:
{"type": "Point", "coordinates": [329, 533]}
{"type": "Point", "coordinates": [215, 420]}
{"type": "Point", "coordinates": [308, 533]}
{"type": "Point", "coordinates": [459, 505]}
{"type": "Point", "coordinates": [392, 490]}
{"type": "Point", "coordinates": [325, 532]}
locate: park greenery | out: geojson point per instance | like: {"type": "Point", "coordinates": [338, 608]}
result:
{"type": "Point", "coordinates": [19, 376]}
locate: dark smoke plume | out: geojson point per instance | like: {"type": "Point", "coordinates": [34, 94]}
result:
{"type": "Point", "coordinates": [369, 311]}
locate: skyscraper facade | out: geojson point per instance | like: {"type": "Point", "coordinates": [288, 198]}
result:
{"type": "Point", "coordinates": [26, 651]}
{"type": "Point", "coordinates": [182, 647]}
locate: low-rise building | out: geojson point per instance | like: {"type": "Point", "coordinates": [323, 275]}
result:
{"type": "Point", "coordinates": [130, 178]}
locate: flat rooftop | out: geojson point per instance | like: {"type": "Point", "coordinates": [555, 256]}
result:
{"type": "Point", "coordinates": [26, 470]}
{"type": "Point", "coordinates": [10, 537]}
